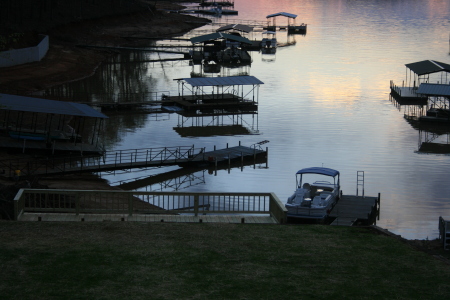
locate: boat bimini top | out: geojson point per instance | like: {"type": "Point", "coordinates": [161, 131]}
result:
{"type": "Point", "coordinates": [319, 171]}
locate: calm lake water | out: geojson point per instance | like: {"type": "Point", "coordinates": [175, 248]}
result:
{"type": "Point", "coordinates": [325, 102]}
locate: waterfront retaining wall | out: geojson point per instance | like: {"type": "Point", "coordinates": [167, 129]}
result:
{"type": "Point", "coordinates": [25, 55]}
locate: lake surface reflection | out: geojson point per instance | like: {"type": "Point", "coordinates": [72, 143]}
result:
{"type": "Point", "coordinates": [325, 102]}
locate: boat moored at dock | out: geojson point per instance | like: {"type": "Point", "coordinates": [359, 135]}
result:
{"type": "Point", "coordinates": [314, 200]}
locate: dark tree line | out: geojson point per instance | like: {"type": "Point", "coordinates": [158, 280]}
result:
{"type": "Point", "coordinates": [41, 15]}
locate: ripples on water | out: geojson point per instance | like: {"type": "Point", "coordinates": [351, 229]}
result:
{"type": "Point", "coordinates": [325, 102]}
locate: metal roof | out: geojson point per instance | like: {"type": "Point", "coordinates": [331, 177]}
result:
{"type": "Point", "coordinates": [428, 67]}
{"type": "Point", "coordinates": [219, 35]}
{"type": "Point", "coordinates": [222, 81]}
{"type": "Point", "coordinates": [238, 27]}
{"type": "Point", "coordinates": [432, 89]}
{"type": "Point", "coordinates": [284, 14]}
{"type": "Point", "coordinates": [318, 170]}
{"type": "Point", "coordinates": [38, 105]}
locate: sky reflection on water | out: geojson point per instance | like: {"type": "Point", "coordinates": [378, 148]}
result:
{"type": "Point", "coordinates": [325, 102]}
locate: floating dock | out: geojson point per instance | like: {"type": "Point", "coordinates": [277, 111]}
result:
{"type": "Point", "coordinates": [130, 159]}
{"type": "Point", "coordinates": [210, 102]}
{"type": "Point", "coordinates": [355, 210]}
{"type": "Point", "coordinates": [407, 95]}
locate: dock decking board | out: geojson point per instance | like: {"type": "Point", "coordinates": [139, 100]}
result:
{"type": "Point", "coordinates": [220, 156]}
{"type": "Point", "coordinates": [350, 209]}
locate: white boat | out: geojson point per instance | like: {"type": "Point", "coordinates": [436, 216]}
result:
{"type": "Point", "coordinates": [314, 200]}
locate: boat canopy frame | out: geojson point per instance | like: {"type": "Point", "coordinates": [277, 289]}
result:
{"type": "Point", "coordinates": [419, 72]}
{"type": "Point", "coordinates": [319, 171]}
{"type": "Point", "coordinates": [272, 19]}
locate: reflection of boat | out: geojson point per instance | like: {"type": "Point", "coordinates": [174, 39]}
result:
{"type": "Point", "coordinates": [314, 201]}
{"type": "Point", "coordinates": [269, 40]}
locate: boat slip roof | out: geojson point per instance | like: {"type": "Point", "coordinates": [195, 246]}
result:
{"type": "Point", "coordinates": [318, 170]}
{"type": "Point", "coordinates": [284, 14]}
{"type": "Point", "coordinates": [431, 89]}
{"type": "Point", "coordinates": [219, 35]}
{"type": "Point", "coordinates": [428, 67]}
{"type": "Point", "coordinates": [38, 105]}
{"type": "Point", "coordinates": [222, 81]}
{"type": "Point", "coordinates": [239, 27]}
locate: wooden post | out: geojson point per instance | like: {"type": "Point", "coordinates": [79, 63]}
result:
{"type": "Point", "coordinates": [77, 204]}
{"type": "Point", "coordinates": [130, 204]}
{"type": "Point", "coordinates": [196, 203]}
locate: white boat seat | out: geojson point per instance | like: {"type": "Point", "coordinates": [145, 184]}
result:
{"type": "Point", "coordinates": [317, 201]}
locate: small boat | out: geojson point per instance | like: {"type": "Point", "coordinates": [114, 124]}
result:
{"type": "Point", "coordinates": [27, 136]}
{"type": "Point", "coordinates": [436, 115]}
{"type": "Point", "coordinates": [314, 200]}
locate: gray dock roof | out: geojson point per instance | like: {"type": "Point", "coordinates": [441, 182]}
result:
{"type": "Point", "coordinates": [428, 67]}
{"type": "Point", "coordinates": [38, 105]}
{"type": "Point", "coordinates": [284, 14]}
{"type": "Point", "coordinates": [222, 81]}
{"type": "Point", "coordinates": [239, 27]}
{"type": "Point", "coordinates": [219, 35]}
{"type": "Point", "coordinates": [431, 89]}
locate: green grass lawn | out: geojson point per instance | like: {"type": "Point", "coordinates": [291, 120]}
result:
{"type": "Point", "coordinates": [126, 260]}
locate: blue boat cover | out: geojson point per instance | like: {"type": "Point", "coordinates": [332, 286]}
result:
{"type": "Point", "coordinates": [318, 170]}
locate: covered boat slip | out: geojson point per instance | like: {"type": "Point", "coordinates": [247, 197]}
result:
{"type": "Point", "coordinates": [28, 123]}
{"type": "Point", "coordinates": [438, 104]}
{"type": "Point", "coordinates": [234, 93]}
{"type": "Point", "coordinates": [419, 73]}
{"type": "Point", "coordinates": [291, 26]}
{"type": "Point", "coordinates": [221, 47]}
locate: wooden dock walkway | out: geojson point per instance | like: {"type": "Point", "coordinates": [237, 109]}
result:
{"type": "Point", "coordinates": [68, 217]}
{"type": "Point", "coordinates": [130, 159]}
{"type": "Point", "coordinates": [353, 209]}
{"type": "Point", "coordinates": [402, 93]}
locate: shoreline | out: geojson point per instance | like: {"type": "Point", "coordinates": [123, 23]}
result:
{"type": "Point", "coordinates": [66, 62]}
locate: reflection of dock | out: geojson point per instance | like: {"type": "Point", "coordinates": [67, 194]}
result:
{"type": "Point", "coordinates": [351, 210]}
{"type": "Point", "coordinates": [177, 178]}
{"type": "Point", "coordinates": [203, 131]}
{"type": "Point", "coordinates": [209, 102]}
